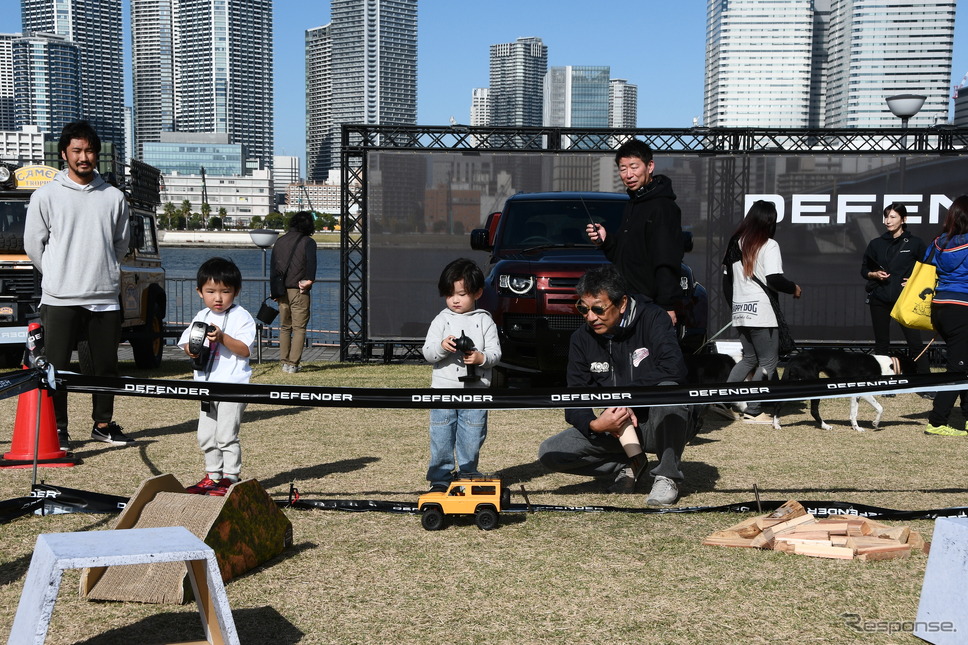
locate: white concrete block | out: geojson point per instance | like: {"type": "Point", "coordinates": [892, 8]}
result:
{"type": "Point", "coordinates": [942, 618]}
{"type": "Point", "coordinates": [55, 552]}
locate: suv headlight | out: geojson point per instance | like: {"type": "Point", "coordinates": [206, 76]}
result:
{"type": "Point", "coordinates": [516, 285]}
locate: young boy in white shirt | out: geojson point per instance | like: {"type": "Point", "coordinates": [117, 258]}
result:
{"type": "Point", "coordinates": [223, 359]}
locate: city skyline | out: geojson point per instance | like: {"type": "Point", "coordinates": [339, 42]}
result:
{"type": "Point", "coordinates": [453, 54]}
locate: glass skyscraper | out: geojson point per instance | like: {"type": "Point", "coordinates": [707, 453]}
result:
{"type": "Point", "coordinates": [204, 66]}
{"type": "Point", "coordinates": [516, 81]}
{"type": "Point", "coordinates": [825, 63]}
{"type": "Point", "coordinates": [368, 60]}
{"type": "Point", "coordinates": [46, 82]}
{"type": "Point", "coordinates": [94, 26]}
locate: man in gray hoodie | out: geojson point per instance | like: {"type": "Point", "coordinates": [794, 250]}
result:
{"type": "Point", "coordinates": [76, 235]}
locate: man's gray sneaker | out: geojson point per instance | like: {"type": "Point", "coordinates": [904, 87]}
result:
{"type": "Point", "coordinates": [626, 478]}
{"type": "Point", "coordinates": [64, 439]}
{"type": "Point", "coordinates": [664, 492]}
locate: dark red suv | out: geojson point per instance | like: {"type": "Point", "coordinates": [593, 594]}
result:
{"type": "Point", "coordinates": [539, 250]}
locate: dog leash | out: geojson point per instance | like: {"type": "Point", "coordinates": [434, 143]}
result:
{"type": "Point", "coordinates": [934, 338]}
{"type": "Point", "coordinates": [713, 337]}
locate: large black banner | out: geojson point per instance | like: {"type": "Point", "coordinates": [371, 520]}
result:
{"type": "Point", "coordinates": [421, 209]}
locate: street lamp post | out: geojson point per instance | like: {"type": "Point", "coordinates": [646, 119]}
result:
{"type": "Point", "coordinates": [264, 239]}
{"type": "Point", "coordinates": [904, 106]}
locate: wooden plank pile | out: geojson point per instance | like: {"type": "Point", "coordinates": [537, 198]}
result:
{"type": "Point", "coordinates": [848, 537]}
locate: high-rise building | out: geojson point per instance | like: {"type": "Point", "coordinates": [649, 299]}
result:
{"type": "Point", "coordinates": [94, 26]}
{"type": "Point", "coordinates": [623, 103]}
{"type": "Point", "coordinates": [576, 96]}
{"type": "Point", "coordinates": [204, 66]}
{"type": "Point", "coordinates": [480, 106]}
{"type": "Point", "coordinates": [152, 71]}
{"type": "Point", "coordinates": [47, 83]}
{"type": "Point", "coordinates": [516, 81]}
{"type": "Point", "coordinates": [6, 81]}
{"type": "Point", "coordinates": [372, 70]}
{"type": "Point", "coordinates": [758, 63]}
{"type": "Point", "coordinates": [825, 63]}
{"type": "Point", "coordinates": [878, 48]}
{"type": "Point", "coordinates": [319, 103]}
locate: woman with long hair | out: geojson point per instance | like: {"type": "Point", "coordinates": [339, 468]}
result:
{"type": "Point", "coordinates": [887, 264]}
{"type": "Point", "coordinates": [949, 312]}
{"type": "Point", "coordinates": [753, 274]}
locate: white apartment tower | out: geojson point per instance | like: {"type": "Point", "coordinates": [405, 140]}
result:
{"type": "Point", "coordinates": [219, 78]}
{"type": "Point", "coordinates": [878, 48]}
{"type": "Point", "coordinates": [480, 106]}
{"type": "Point", "coordinates": [516, 82]}
{"type": "Point", "coordinates": [372, 70]}
{"type": "Point", "coordinates": [825, 63]}
{"type": "Point", "coordinates": [319, 103]}
{"type": "Point", "coordinates": [6, 81]}
{"type": "Point", "coordinates": [153, 71]}
{"type": "Point", "coordinates": [94, 26]}
{"type": "Point", "coordinates": [758, 63]}
{"type": "Point", "coordinates": [623, 103]}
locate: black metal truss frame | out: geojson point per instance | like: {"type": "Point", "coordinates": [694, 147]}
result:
{"type": "Point", "coordinates": [733, 144]}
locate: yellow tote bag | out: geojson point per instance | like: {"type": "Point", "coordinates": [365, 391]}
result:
{"type": "Point", "coordinates": [913, 306]}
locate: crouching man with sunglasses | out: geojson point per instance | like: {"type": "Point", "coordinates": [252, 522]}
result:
{"type": "Point", "coordinates": [626, 340]}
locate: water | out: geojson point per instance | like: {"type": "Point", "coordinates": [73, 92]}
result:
{"type": "Point", "coordinates": [181, 266]}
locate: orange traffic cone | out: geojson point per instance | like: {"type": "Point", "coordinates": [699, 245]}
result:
{"type": "Point", "coordinates": [27, 433]}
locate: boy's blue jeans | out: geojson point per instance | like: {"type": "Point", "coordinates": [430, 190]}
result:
{"type": "Point", "coordinates": [459, 432]}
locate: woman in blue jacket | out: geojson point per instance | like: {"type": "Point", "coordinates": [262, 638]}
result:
{"type": "Point", "coordinates": [949, 311]}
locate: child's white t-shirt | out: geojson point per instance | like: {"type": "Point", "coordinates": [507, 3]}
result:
{"type": "Point", "coordinates": [226, 366]}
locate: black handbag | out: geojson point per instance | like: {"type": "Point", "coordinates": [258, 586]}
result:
{"type": "Point", "coordinates": [267, 313]}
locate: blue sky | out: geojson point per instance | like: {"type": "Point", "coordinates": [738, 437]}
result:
{"type": "Point", "coordinates": [658, 46]}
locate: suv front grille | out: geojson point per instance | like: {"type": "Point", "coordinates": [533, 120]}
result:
{"type": "Point", "coordinates": [23, 283]}
{"type": "Point", "coordinates": [524, 326]}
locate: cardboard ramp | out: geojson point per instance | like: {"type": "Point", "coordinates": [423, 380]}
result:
{"type": "Point", "coordinates": [245, 528]}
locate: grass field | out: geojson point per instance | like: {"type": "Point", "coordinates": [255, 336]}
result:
{"type": "Point", "coordinates": [549, 577]}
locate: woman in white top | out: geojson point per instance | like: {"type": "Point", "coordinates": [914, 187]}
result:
{"type": "Point", "coordinates": [753, 272]}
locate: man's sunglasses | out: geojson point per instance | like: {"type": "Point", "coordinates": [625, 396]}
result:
{"type": "Point", "coordinates": [583, 309]}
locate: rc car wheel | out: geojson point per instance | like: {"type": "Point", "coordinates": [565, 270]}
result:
{"type": "Point", "coordinates": [486, 519]}
{"type": "Point", "coordinates": [505, 497]}
{"type": "Point", "coordinates": [432, 518]}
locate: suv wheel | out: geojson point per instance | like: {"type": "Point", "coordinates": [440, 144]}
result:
{"type": "Point", "coordinates": [148, 349]}
{"type": "Point", "coordinates": [486, 518]}
{"type": "Point", "coordinates": [432, 518]}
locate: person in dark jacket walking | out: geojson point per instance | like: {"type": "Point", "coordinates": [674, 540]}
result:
{"type": "Point", "coordinates": [888, 262]}
{"type": "Point", "coordinates": [648, 246]}
{"type": "Point", "coordinates": [294, 257]}
{"type": "Point", "coordinates": [626, 340]}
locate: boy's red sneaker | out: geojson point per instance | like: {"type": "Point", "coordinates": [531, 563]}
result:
{"type": "Point", "coordinates": [221, 487]}
{"type": "Point", "coordinates": [203, 487]}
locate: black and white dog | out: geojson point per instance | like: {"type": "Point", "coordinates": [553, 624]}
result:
{"type": "Point", "coordinates": [840, 364]}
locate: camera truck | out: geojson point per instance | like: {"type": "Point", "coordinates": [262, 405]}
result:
{"type": "Point", "coordinates": [142, 298]}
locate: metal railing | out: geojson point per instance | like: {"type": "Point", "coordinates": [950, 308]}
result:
{"type": "Point", "coordinates": [323, 330]}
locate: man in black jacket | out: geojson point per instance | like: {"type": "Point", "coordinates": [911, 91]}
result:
{"type": "Point", "coordinates": [627, 340]}
{"type": "Point", "coordinates": [648, 247]}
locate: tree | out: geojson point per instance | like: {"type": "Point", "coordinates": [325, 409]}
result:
{"type": "Point", "coordinates": [167, 218]}
{"type": "Point", "coordinates": [255, 222]}
{"type": "Point", "coordinates": [207, 213]}
{"type": "Point", "coordinates": [326, 221]}
{"type": "Point", "coordinates": [275, 220]}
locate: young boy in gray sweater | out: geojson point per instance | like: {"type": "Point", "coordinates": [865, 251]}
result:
{"type": "Point", "coordinates": [459, 432]}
